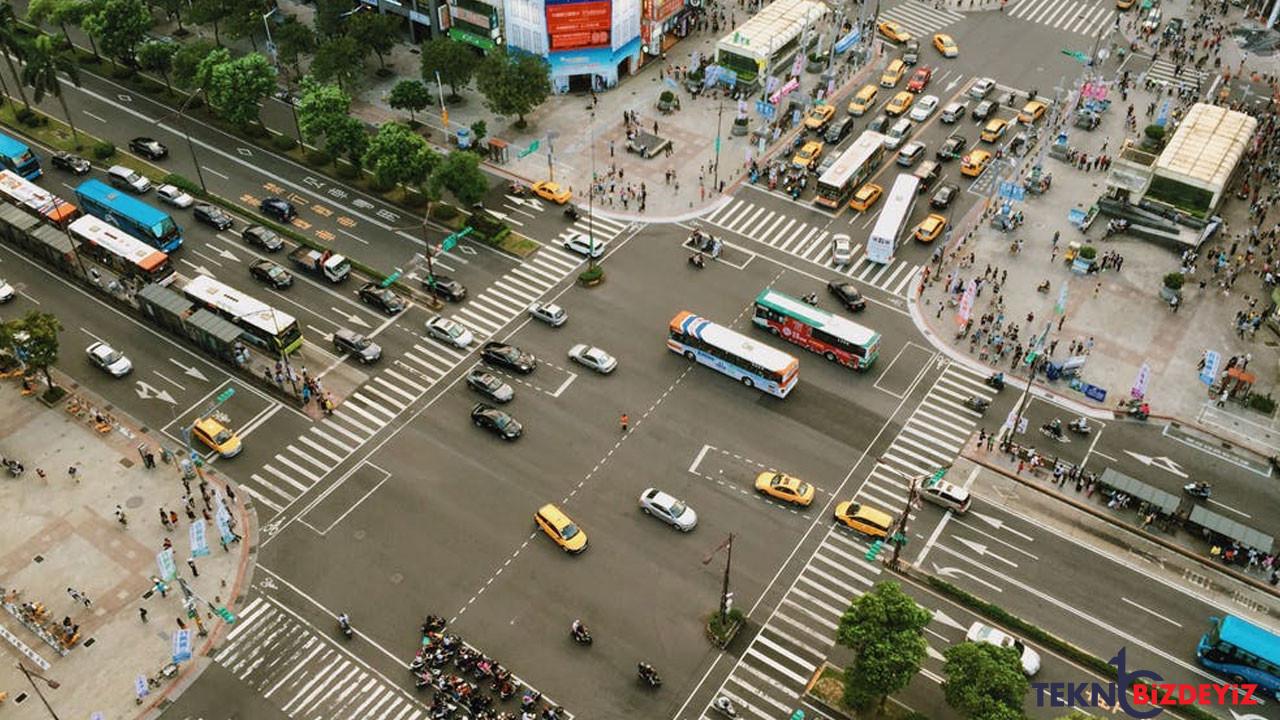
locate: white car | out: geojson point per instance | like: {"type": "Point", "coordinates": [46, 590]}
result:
{"type": "Point", "coordinates": [450, 332]}
{"type": "Point", "coordinates": [923, 108]}
{"type": "Point", "coordinates": [978, 632]}
{"type": "Point", "coordinates": [841, 249]}
{"type": "Point", "coordinates": [172, 195]}
{"type": "Point", "coordinates": [982, 88]}
{"type": "Point", "coordinates": [7, 292]}
{"type": "Point", "coordinates": [109, 359]}
{"type": "Point", "coordinates": [581, 244]}
{"type": "Point", "coordinates": [668, 509]}
{"type": "Point", "coordinates": [593, 357]}
{"type": "Point", "coordinates": [549, 313]}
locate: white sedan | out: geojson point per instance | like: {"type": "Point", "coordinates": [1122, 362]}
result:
{"type": "Point", "coordinates": [450, 332]}
{"type": "Point", "coordinates": [981, 633]}
{"type": "Point", "coordinates": [593, 357]}
{"type": "Point", "coordinates": [7, 292]}
{"type": "Point", "coordinates": [110, 360]}
{"type": "Point", "coordinates": [668, 509]}
{"type": "Point", "coordinates": [174, 196]}
{"type": "Point", "coordinates": [582, 245]}
{"type": "Point", "coordinates": [549, 313]}
{"type": "Point", "coordinates": [923, 108]}
{"type": "Point", "coordinates": [841, 249]}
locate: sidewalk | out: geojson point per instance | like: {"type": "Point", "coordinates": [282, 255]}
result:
{"type": "Point", "coordinates": [62, 548]}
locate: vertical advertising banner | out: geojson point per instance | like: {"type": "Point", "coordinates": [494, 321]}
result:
{"type": "Point", "coordinates": [199, 540]}
{"type": "Point", "coordinates": [164, 561]}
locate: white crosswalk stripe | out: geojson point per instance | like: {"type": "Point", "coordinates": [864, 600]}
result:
{"type": "Point", "coordinates": [921, 18]}
{"type": "Point", "coordinates": [1074, 16]}
{"type": "Point", "coordinates": [1165, 71]}
{"type": "Point", "coordinates": [781, 659]}
{"type": "Point", "coordinates": [399, 382]}
{"type": "Point", "coordinates": [812, 244]}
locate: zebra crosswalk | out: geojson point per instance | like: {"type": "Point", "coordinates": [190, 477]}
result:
{"type": "Point", "coordinates": [1166, 72]}
{"type": "Point", "coordinates": [921, 18]}
{"type": "Point", "coordinates": [808, 242]}
{"type": "Point", "coordinates": [774, 670]}
{"type": "Point", "coordinates": [1073, 16]}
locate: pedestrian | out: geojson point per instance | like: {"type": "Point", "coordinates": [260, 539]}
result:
{"type": "Point", "coordinates": [231, 493]}
{"type": "Point", "coordinates": [991, 441]}
{"type": "Point", "coordinates": [142, 614]}
{"type": "Point", "coordinates": [982, 437]}
{"type": "Point", "coordinates": [149, 460]}
{"type": "Point", "coordinates": [164, 518]}
{"type": "Point", "coordinates": [167, 544]}
{"type": "Point", "coordinates": [41, 474]}
{"type": "Point", "coordinates": [1097, 290]}
{"type": "Point", "coordinates": [1061, 320]}
{"type": "Point", "coordinates": [75, 594]}
{"type": "Point", "coordinates": [191, 563]}
{"type": "Point", "coordinates": [71, 473]}
{"type": "Point", "coordinates": [1021, 465]}
{"type": "Point", "coordinates": [173, 518]}
{"type": "Point", "coordinates": [1222, 399]}
{"type": "Point", "coordinates": [120, 518]}
{"type": "Point", "coordinates": [624, 421]}
{"type": "Point", "coordinates": [181, 625]}
{"type": "Point", "coordinates": [142, 453]}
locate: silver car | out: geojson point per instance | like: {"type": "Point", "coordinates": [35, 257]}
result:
{"type": "Point", "coordinates": [593, 357]}
{"type": "Point", "coordinates": [668, 509]}
{"type": "Point", "coordinates": [110, 360]}
{"type": "Point", "coordinates": [449, 331]}
{"type": "Point", "coordinates": [174, 196]}
{"type": "Point", "coordinates": [549, 313]}
{"type": "Point", "coordinates": [841, 249]}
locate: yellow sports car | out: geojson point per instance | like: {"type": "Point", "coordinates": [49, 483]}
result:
{"type": "Point", "coordinates": [784, 487]}
{"type": "Point", "coordinates": [895, 32]}
{"type": "Point", "coordinates": [552, 191]}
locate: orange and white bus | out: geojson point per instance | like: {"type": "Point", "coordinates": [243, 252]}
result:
{"type": "Point", "coordinates": [749, 362]}
{"type": "Point", "coordinates": [19, 191]}
{"type": "Point", "coordinates": [122, 253]}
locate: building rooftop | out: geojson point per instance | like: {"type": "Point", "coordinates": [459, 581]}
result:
{"type": "Point", "coordinates": [1207, 145]}
{"type": "Point", "coordinates": [777, 24]}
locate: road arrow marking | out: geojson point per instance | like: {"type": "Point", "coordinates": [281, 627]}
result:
{"type": "Point", "coordinates": [957, 572]}
{"type": "Point", "coordinates": [150, 392]}
{"type": "Point", "coordinates": [190, 371]}
{"type": "Point", "coordinates": [1163, 463]}
{"type": "Point", "coordinates": [226, 254]}
{"type": "Point", "coordinates": [934, 653]}
{"type": "Point", "coordinates": [351, 317]}
{"type": "Point", "coordinates": [981, 550]}
{"type": "Point", "coordinates": [947, 620]}
{"type": "Point", "coordinates": [998, 524]}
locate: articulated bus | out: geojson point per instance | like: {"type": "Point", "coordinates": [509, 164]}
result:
{"type": "Point", "coordinates": [892, 222]}
{"type": "Point", "coordinates": [124, 254]}
{"type": "Point", "coordinates": [135, 217]}
{"type": "Point", "coordinates": [831, 336]}
{"type": "Point", "coordinates": [16, 156]}
{"type": "Point", "coordinates": [260, 324]}
{"type": "Point", "coordinates": [1243, 652]}
{"type": "Point", "coordinates": [736, 355]}
{"type": "Point", "coordinates": [850, 170]}
{"type": "Point", "coordinates": [35, 200]}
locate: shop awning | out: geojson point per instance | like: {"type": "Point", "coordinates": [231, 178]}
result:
{"type": "Point", "coordinates": [1245, 535]}
{"type": "Point", "coordinates": [1138, 489]}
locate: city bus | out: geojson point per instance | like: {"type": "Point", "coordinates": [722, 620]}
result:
{"type": "Point", "coordinates": [135, 217]}
{"type": "Point", "coordinates": [16, 156]}
{"type": "Point", "coordinates": [850, 170]}
{"type": "Point", "coordinates": [124, 254]}
{"type": "Point", "coordinates": [261, 325]}
{"type": "Point", "coordinates": [1243, 652]}
{"type": "Point", "coordinates": [35, 200]}
{"type": "Point", "coordinates": [734, 354]}
{"type": "Point", "coordinates": [884, 238]}
{"type": "Point", "coordinates": [831, 336]}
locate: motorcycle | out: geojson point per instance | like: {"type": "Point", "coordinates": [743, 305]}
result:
{"type": "Point", "coordinates": [580, 634]}
{"type": "Point", "coordinates": [811, 299]}
{"type": "Point", "coordinates": [649, 675]}
{"type": "Point", "coordinates": [977, 404]}
{"type": "Point", "coordinates": [571, 212]}
{"type": "Point", "coordinates": [1140, 412]}
{"type": "Point", "coordinates": [518, 189]}
{"type": "Point", "coordinates": [1054, 430]}
{"type": "Point", "coordinates": [1200, 490]}
{"type": "Point", "coordinates": [1080, 425]}
{"type": "Point", "coordinates": [433, 624]}
{"type": "Point", "coordinates": [996, 381]}
{"type": "Point", "coordinates": [697, 261]}
{"type": "Point", "coordinates": [345, 626]}
{"type": "Point", "coordinates": [724, 706]}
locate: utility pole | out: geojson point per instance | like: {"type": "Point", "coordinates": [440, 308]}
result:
{"type": "Point", "coordinates": [715, 169]}
{"type": "Point", "coordinates": [726, 597]}
{"type": "Point", "coordinates": [591, 236]}
{"type": "Point", "coordinates": [186, 131]}
{"type": "Point", "coordinates": [1022, 403]}
{"type": "Point", "coordinates": [53, 685]}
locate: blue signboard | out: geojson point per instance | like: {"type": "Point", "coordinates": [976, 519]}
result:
{"type": "Point", "coordinates": [1211, 362]}
{"type": "Point", "coordinates": [848, 41]}
{"type": "Point", "coordinates": [182, 646]}
{"type": "Point", "coordinates": [1095, 393]}
{"type": "Point", "coordinates": [1163, 116]}
{"type": "Point", "coordinates": [1012, 190]}
{"type": "Point", "coordinates": [766, 109]}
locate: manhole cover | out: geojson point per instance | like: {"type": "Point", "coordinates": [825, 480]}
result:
{"type": "Point", "coordinates": [134, 502]}
{"type": "Point", "coordinates": [359, 534]}
{"type": "Point", "coordinates": [397, 578]}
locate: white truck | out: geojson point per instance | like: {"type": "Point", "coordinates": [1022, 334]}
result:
{"type": "Point", "coordinates": [331, 266]}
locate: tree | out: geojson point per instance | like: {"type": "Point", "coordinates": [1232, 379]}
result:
{"type": "Point", "coordinates": [984, 681]}
{"type": "Point", "coordinates": [118, 25]}
{"type": "Point", "coordinates": [376, 32]}
{"type": "Point", "coordinates": [323, 118]}
{"type": "Point", "coordinates": [187, 60]}
{"type": "Point", "coordinates": [237, 87]}
{"type": "Point", "coordinates": [293, 40]}
{"type": "Point", "coordinates": [173, 10]}
{"type": "Point", "coordinates": [456, 62]}
{"type": "Point", "coordinates": [204, 69]}
{"type": "Point", "coordinates": [340, 60]}
{"type": "Point", "coordinates": [244, 19]}
{"type": "Point", "coordinates": [411, 95]}
{"type": "Point", "coordinates": [211, 12]}
{"type": "Point", "coordinates": [330, 17]}
{"type": "Point", "coordinates": [885, 630]}
{"type": "Point", "coordinates": [12, 45]}
{"type": "Point", "coordinates": [460, 174]}
{"type": "Point", "coordinates": [513, 84]}
{"type": "Point", "coordinates": [59, 12]}
{"type": "Point", "coordinates": [45, 61]}
{"type": "Point", "coordinates": [35, 338]}
{"type": "Point", "coordinates": [158, 57]}
{"type": "Point", "coordinates": [398, 155]}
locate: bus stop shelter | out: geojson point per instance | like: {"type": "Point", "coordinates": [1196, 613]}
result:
{"type": "Point", "coordinates": [1167, 502]}
{"type": "Point", "coordinates": [1243, 534]}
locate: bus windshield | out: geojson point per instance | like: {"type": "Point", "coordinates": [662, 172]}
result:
{"type": "Point", "coordinates": [850, 170]}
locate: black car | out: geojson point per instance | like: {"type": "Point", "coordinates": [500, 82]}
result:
{"type": "Point", "coordinates": [952, 147]}
{"type": "Point", "coordinates": [361, 347]}
{"type": "Point", "coordinates": [149, 148]}
{"type": "Point", "coordinates": [837, 131]}
{"type": "Point", "coordinates": [879, 124]}
{"type": "Point", "coordinates": [277, 208]}
{"type": "Point", "coordinates": [508, 356]}
{"type": "Point", "coordinates": [70, 162]}
{"type": "Point", "coordinates": [262, 237]}
{"type": "Point", "coordinates": [381, 298]}
{"type": "Point", "coordinates": [492, 419]}
{"type": "Point", "coordinates": [945, 195]}
{"type": "Point", "coordinates": [212, 215]}
{"type": "Point", "coordinates": [490, 385]}
{"type": "Point", "coordinates": [848, 295]}
{"type": "Point", "coordinates": [911, 52]}
{"type": "Point", "coordinates": [445, 288]}
{"type": "Point", "coordinates": [271, 274]}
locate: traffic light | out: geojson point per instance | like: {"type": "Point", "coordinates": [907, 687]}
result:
{"type": "Point", "coordinates": [874, 549]}
{"type": "Point", "coordinates": [226, 615]}
{"type": "Point", "coordinates": [899, 539]}
{"type": "Point", "coordinates": [936, 477]}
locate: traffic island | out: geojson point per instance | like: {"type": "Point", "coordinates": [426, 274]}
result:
{"type": "Point", "coordinates": [723, 628]}
{"type": "Point", "coordinates": [826, 689]}
{"type": "Point", "coordinates": [591, 277]}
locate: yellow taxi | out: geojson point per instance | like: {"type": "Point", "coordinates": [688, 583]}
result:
{"type": "Point", "coordinates": [892, 75]}
{"type": "Point", "coordinates": [1124, 4]}
{"type": "Point", "coordinates": [217, 437]}
{"type": "Point", "coordinates": [946, 45]}
{"type": "Point", "coordinates": [808, 156]}
{"type": "Point", "coordinates": [1032, 112]}
{"type": "Point", "coordinates": [548, 190]}
{"type": "Point", "coordinates": [819, 116]}
{"type": "Point", "coordinates": [974, 163]}
{"type": "Point", "coordinates": [562, 531]}
{"type": "Point", "coordinates": [930, 228]}
{"type": "Point", "coordinates": [994, 130]}
{"type": "Point", "coordinates": [863, 101]}
{"type": "Point", "coordinates": [785, 488]}
{"type": "Point", "coordinates": [899, 104]}
{"type": "Point", "coordinates": [867, 520]}
{"type": "Point", "coordinates": [894, 31]}
{"type": "Point", "coordinates": [866, 196]}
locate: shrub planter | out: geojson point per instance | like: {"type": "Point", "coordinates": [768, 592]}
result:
{"type": "Point", "coordinates": [1172, 286]}
{"type": "Point", "coordinates": [666, 101]}
{"type": "Point", "coordinates": [53, 395]}
{"type": "Point", "coordinates": [591, 276]}
{"type": "Point", "coordinates": [1084, 260]}
{"type": "Point", "coordinates": [816, 64]}
{"type": "Point", "coordinates": [827, 691]}
{"type": "Point", "coordinates": [720, 631]}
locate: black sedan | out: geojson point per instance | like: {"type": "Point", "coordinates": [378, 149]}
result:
{"type": "Point", "coordinates": [381, 298]}
{"type": "Point", "coordinates": [262, 237]}
{"type": "Point", "coordinates": [149, 148]}
{"type": "Point", "coordinates": [508, 356]}
{"type": "Point", "coordinates": [271, 274]}
{"type": "Point", "coordinates": [490, 385]}
{"type": "Point", "coordinates": [445, 288]}
{"type": "Point", "coordinates": [952, 147]}
{"type": "Point", "coordinates": [212, 215]}
{"type": "Point", "coordinates": [848, 295]}
{"type": "Point", "coordinates": [70, 162]}
{"type": "Point", "coordinates": [496, 421]}
{"type": "Point", "coordinates": [944, 196]}
{"type": "Point", "coordinates": [278, 209]}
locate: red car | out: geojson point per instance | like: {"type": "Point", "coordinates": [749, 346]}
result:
{"type": "Point", "coordinates": [919, 79]}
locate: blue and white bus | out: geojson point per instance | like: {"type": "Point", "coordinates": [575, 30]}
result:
{"type": "Point", "coordinates": [1243, 652]}
{"type": "Point", "coordinates": [16, 156]}
{"type": "Point", "coordinates": [734, 354]}
{"type": "Point", "coordinates": [148, 224]}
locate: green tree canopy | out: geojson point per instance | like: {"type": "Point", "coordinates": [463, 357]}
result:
{"type": "Point", "coordinates": [34, 337]}
{"type": "Point", "coordinates": [12, 44]}
{"type": "Point", "coordinates": [244, 18]}
{"type": "Point", "coordinates": [411, 95]}
{"type": "Point", "coordinates": [885, 629]}
{"type": "Point", "coordinates": [118, 26]}
{"type": "Point", "coordinates": [513, 84]}
{"type": "Point", "coordinates": [60, 12]}
{"type": "Point", "coordinates": [323, 118]}
{"type": "Point", "coordinates": [46, 62]}
{"type": "Point", "coordinates": [211, 12]}
{"type": "Point", "coordinates": [330, 17]}
{"type": "Point", "coordinates": [340, 59]}
{"type": "Point", "coordinates": [984, 681]}
{"type": "Point", "coordinates": [460, 174]}
{"type": "Point", "coordinates": [204, 70]}
{"type": "Point", "coordinates": [294, 40]}
{"type": "Point", "coordinates": [375, 31]}
{"type": "Point", "coordinates": [158, 57]}
{"type": "Point", "coordinates": [398, 155]}
{"type": "Point", "coordinates": [187, 61]}
{"type": "Point", "coordinates": [237, 87]}
{"type": "Point", "coordinates": [456, 62]}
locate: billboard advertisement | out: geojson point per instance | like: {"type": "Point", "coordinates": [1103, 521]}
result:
{"type": "Point", "coordinates": [571, 26]}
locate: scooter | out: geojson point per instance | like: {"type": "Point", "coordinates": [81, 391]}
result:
{"type": "Point", "coordinates": [811, 299]}
{"type": "Point", "coordinates": [1080, 425]}
{"type": "Point", "coordinates": [345, 626]}
{"type": "Point", "coordinates": [724, 706]}
{"type": "Point", "coordinates": [696, 261]}
{"type": "Point", "coordinates": [1054, 430]}
{"type": "Point", "coordinates": [649, 675]}
{"type": "Point", "coordinates": [1200, 490]}
{"type": "Point", "coordinates": [580, 635]}
{"type": "Point", "coordinates": [996, 381]}
{"type": "Point", "coordinates": [977, 404]}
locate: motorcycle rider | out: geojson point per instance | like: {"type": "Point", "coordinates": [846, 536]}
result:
{"type": "Point", "coordinates": [1055, 427]}
{"type": "Point", "coordinates": [1080, 424]}
{"type": "Point", "coordinates": [646, 671]}
{"type": "Point", "coordinates": [811, 298]}
{"type": "Point", "coordinates": [578, 629]}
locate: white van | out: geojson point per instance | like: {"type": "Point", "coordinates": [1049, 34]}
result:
{"type": "Point", "coordinates": [126, 179]}
{"type": "Point", "coordinates": [949, 496]}
{"type": "Point", "coordinates": [898, 133]}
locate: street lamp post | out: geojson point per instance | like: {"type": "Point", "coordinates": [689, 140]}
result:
{"type": "Point", "coordinates": [591, 237]}
{"type": "Point", "coordinates": [186, 131]}
{"type": "Point", "coordinates": [271, 46]}
{"type": "Point", "coordinates": [53, 685]}
{"type": "Point", "coordinates": [715, 168]}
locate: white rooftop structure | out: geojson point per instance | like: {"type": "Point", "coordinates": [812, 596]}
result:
{"type": "Point", "coordinates": [772, 29]}
{"type": "Point", "coordinates": [1206, 148]}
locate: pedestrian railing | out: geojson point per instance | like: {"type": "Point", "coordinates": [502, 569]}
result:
{"type": "Point", "coordinates": [34, 626]}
